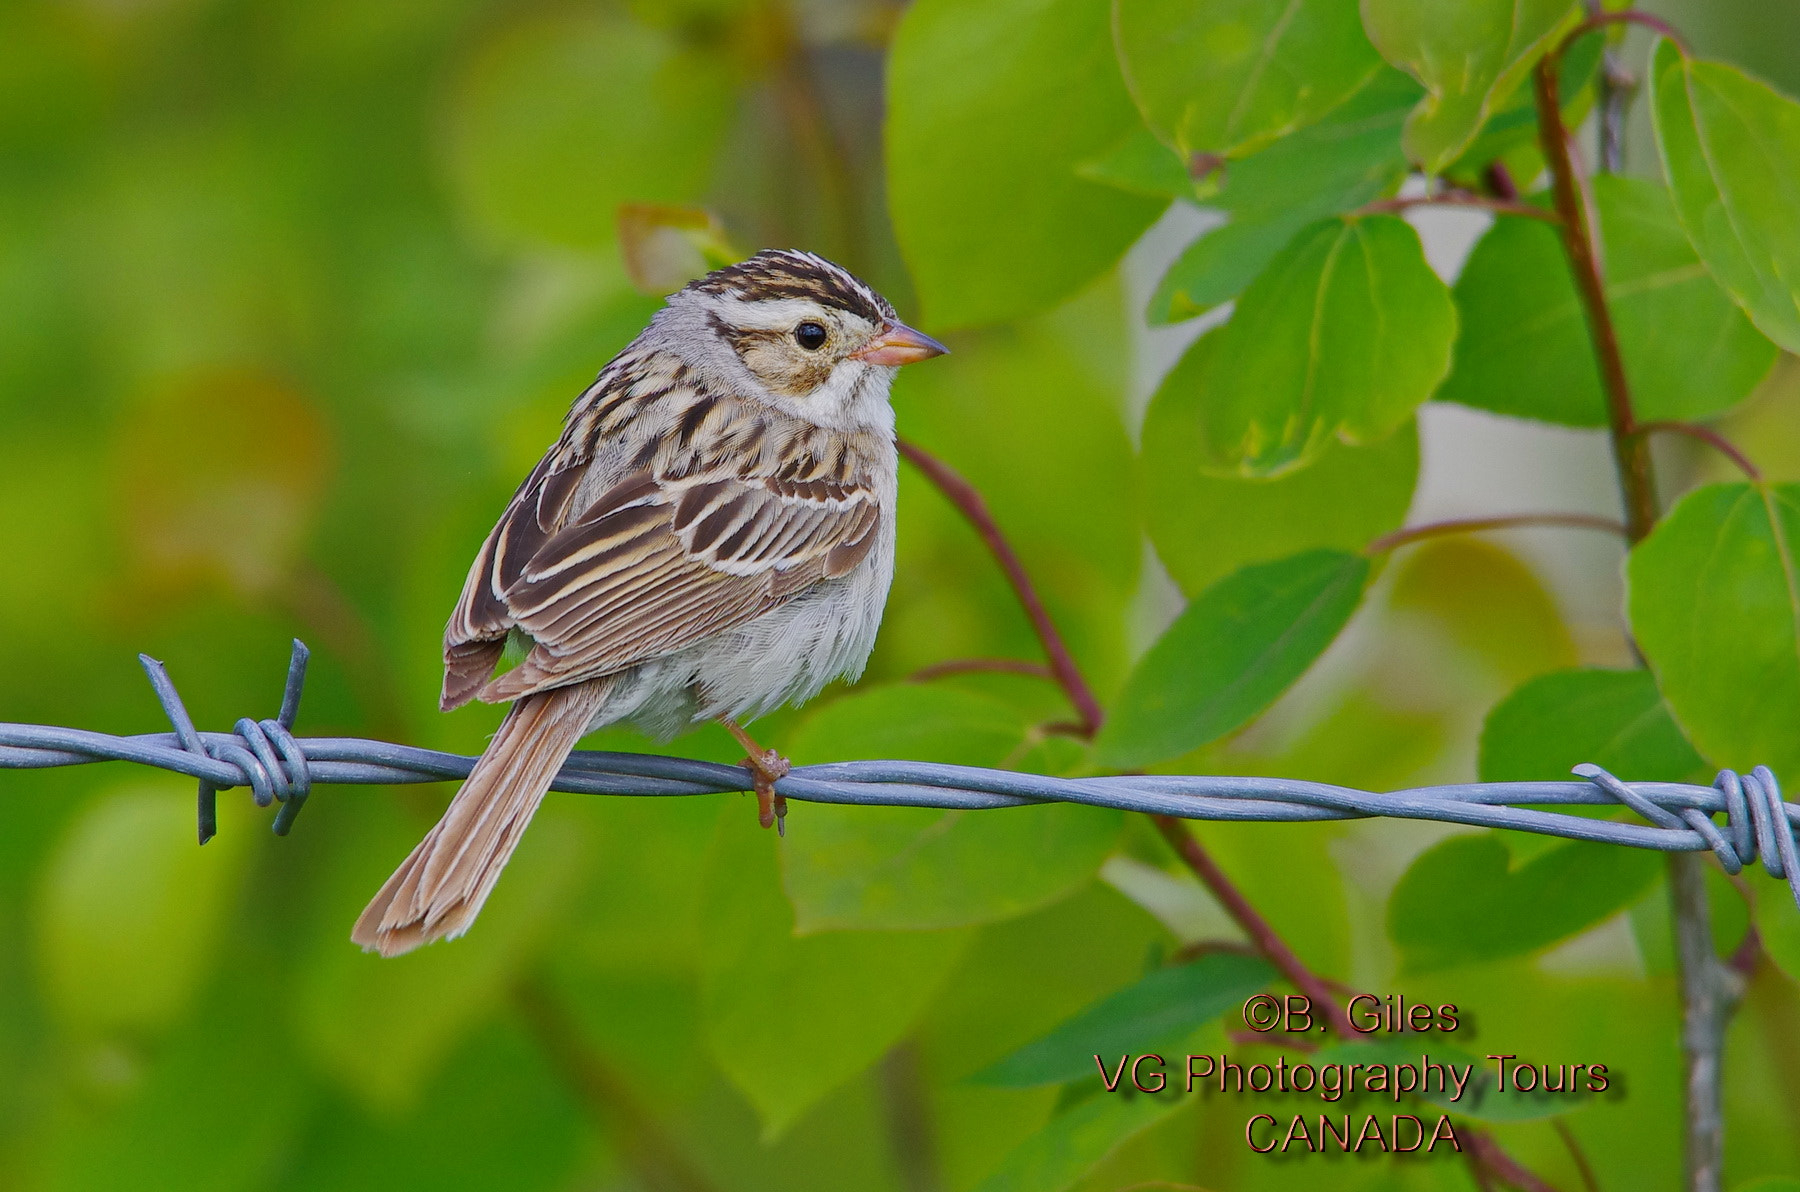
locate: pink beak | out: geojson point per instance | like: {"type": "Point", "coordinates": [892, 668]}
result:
{"type": "Point", "coordinates": [898, 345]}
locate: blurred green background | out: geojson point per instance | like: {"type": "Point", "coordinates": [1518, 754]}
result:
{"type": "Point", "coordinates": [293, 292]}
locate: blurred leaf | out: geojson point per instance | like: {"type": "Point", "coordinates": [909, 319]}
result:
{"type": "Point", "coordinates": [1769, 1183]}
{"type": "Point", "coordinates": [560, 118]}
{"type": "Point", "coordinates": [1778, 925]}
{"type": "Point", "coordinates": [1154, 1015]}
{"type": "Point", "coordinates": [789, 1019]}
{"type": "Point", "coordinates": [1205, 527]}
{"type": "Point", "coordinates": [220, 1109]}
{"type": "Point", "coordinates": [218, 478]}
{"type": "Point", "coordinates": [132, 909]}
{"type": "Point", "coordinates": [382, 1026]}
{"type": "Point", "coordinates": [1237, 646]}
{"type": "Point", "coordinates": [1615, 719]}
{"type": "Point", "coordinates": [992, 104]}
{"type": "Point", "coordinates": [1076, 1140]}
{"type": "Point", "coordinates": [500, 1116]}
{"type": "Point", "coordinates": [1731, 148]}
{"type": "Point", "coordinates": [1350, 158]}
{"type": "Point", "coordinates": [1141, 164]}
{"type": "Point", "coordinates": [1714, 602]}
{"type": "Point", "coordinates": [900, 867]}
{"type": "Point", "coordinates": [1463, 901]}
{"type": "Point", "coordinates": [667, 246]}
{"type": "Point", "coordinates": [1225, 77]}
{"type": "Point", "coordinates": [1469, 56]}
{"type": "Point", "coordinates": [1343, 336]}
{"type": "Point", "coordinates": [1524, 348]}
{"type": "Point", "coordinates": [1488, 602]}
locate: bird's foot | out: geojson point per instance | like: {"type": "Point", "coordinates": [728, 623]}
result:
{"type": "Point", "coordinates": [766, 766]}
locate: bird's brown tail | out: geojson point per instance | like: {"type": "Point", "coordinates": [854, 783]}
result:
{"type": "Point", "coordinates": [438, 890]}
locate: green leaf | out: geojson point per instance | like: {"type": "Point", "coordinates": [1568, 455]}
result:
{"type": "Point", "coordinates": [1714, 604]}
{"type": "Point", "coordinates": [1205, 527]}
{"type": "Point", "coordinates": [1511, 132]}
{"type": "Point", "coordinates": [902, 867]}
{"type": "Point", "coordinates": [1469, 55]}
{"type": "Point", "coordinates": [1524, 348]}
{"type": "Point", "coordinates": [131, 909]}
{"type": "Point", "coordinates": [1350, 158]}
{"type": "Point", "coordinates": [1141, 164]}
{"type": "Point", "coordinates": [1464, 901]}
{"type": "Point", "coordinates": [1235, 648]}
{"type": "Point", "coordinates": [790, 1018]}
{"type": "Point", "coordinates": [1155, 1015]}
{"type": "Point", "coordinates": [1343, 336]}
{"type": "Point", "coordinates": [1731, 148]}
{"type": "Point", "coordinates": [992, 104]}
{"type": "Point", "coordinates": [1615, 719]}
{"type": "Point", "coordinates": [1224, 77]}
{"type": "Point", "coordinates": [1076, 1140]}
{"type": "Point", "coordinates": [561, 118]}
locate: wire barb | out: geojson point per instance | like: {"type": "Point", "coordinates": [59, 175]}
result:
{"type": "Point", "coordinates": [277, 766]}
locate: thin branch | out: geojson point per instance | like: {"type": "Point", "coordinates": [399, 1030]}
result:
{"type": "Point", "coordinates": [1627, 16]}
{"type": "Point", "coordinates": [963, 495]}
{"type": "Point", "coordinates": [1569, 1141]}
{"type": "Point", "coordinates": [975, 666]}
{"type": "Point", "coordinates": [1459, 198]}
{"type": "Point", "coordinates": [1706, 985]}
{"type": "Point", "coordinates": [908, 1113]}
{"type": "Point", "coordinates": [1613, 91]}
{"type": "Point", "coordinates": [1704, 1010]}
{"type": "Point", "coordinates": [653, 1157]}
{"type": "Point", "coordinates": [1631, 454]}
{"type": "Point", "coordinates": [1407, 535]}
{"type": "Point", "coordinates": [1711, 438]}
{"type": "Point", "coordinates": [809, 122]}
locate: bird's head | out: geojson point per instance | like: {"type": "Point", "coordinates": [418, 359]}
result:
{"type": "Point", "coordinates": [810, 334]}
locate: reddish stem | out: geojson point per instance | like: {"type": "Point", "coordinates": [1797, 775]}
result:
{"type": "Point", "coordinates": [1410, 534]}
{"type": "Point", "coordinates": [1631, 454]}
{"type": "Point", "coordinates": [1625, 16]}
{"type": "Point", "coordinates": [1261, 934]}
{"type": "Point", "coordinates": [1457, 198]}
{"type": "Point", "coordinates": [963, 495]}
{"type": "Point", "coordinates": [1711, 438]}
{"type": "Point", "coordinates": [973, 666]}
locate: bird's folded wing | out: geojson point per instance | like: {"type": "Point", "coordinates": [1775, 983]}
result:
{"type": "Point", "coordinates": [654, 565]}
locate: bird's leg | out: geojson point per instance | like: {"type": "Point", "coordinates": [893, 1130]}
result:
{"type": "Point", "coordinates": [765, 766]}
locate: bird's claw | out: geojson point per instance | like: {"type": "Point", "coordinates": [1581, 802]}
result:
{"type": "Point", "coordinates": [766, 766]}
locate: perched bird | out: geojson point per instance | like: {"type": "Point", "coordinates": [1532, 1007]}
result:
{"type": "Point", "coordinates": [712, 536]}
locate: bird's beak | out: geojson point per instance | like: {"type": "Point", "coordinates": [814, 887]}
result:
{"type": "Point", "coordinates": [899, 344]}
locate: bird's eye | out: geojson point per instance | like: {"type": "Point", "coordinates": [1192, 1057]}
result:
{"type": "Point", "coordinates": [810, 336]}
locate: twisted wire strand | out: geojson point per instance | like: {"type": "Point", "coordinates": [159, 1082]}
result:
{"type": "Point", "coordinates": [279, 767]}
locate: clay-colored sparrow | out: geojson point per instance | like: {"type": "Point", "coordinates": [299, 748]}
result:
{"type": "Point", "coordinates": [711, 537]}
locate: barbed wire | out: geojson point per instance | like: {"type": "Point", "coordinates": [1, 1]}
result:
{"type": "Point", "coordinates": [279, 767]}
